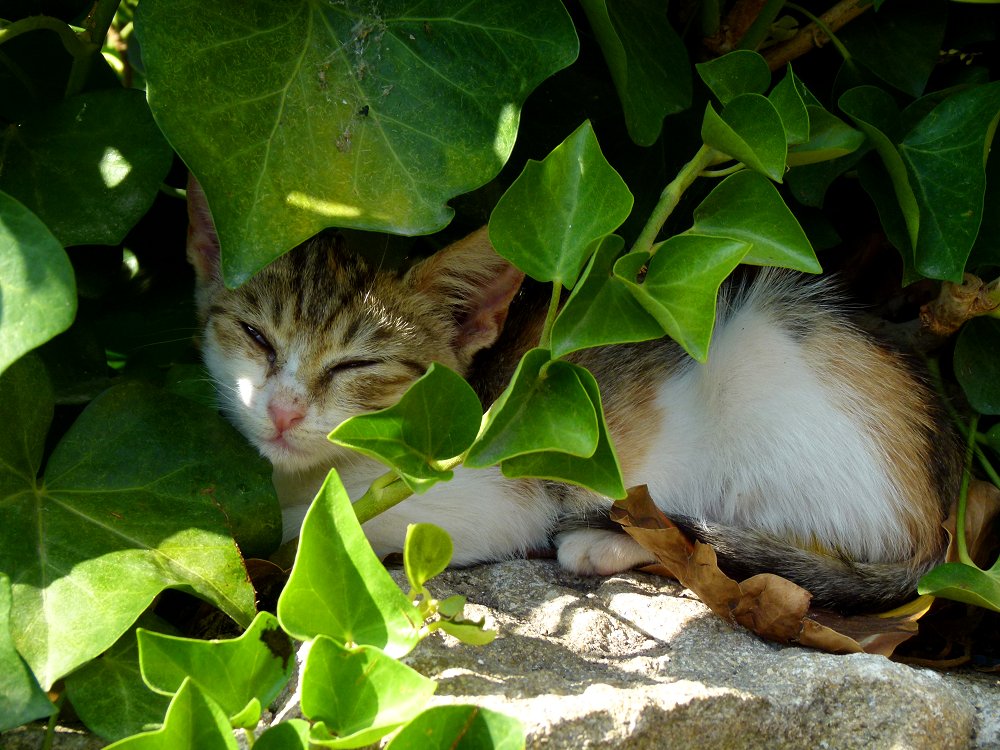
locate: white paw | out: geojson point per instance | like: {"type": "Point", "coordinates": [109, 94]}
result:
{"type": "Point", "coordinates": [600, 552]}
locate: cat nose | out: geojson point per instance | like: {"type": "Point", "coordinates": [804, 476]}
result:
{"type": "Point", "coordinates": [284, 417]}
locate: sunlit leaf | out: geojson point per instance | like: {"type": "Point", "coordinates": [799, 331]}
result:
{"type": "Point", "coordinates": [338, 587]}
{"type": "Point", "coordinates": [964, 583]}
{"type": "Point", "coordinates": [309, 114]}
{"type": "Point", "coordinates": [21, 699]}
{"type": "Point", "coordinates": [426, 553]}
{"type": "Point", "coordinates": [548, 219]}
{"type": "Point", "coordinates": [460, 727]}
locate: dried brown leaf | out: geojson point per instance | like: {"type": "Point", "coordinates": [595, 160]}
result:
{"type": "Point", "coordinates": [981, 511]}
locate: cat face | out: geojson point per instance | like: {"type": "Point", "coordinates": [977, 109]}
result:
{"type": "Point", "coordinates": [319, 335]}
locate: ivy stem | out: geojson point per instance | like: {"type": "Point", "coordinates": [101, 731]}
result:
{"type": "Point", "coordinates": [824, 28]}
{"type": "Point", "coordinates": [671, 195]}
{"type": "Point", "coordinates": [963, 495]}
{"type": "Point", "coordinates": [545, 340]}
{"type": "Point", "coordinates": [386, 491]}
{"type": "Point", "coordinates": [50, 727]}
{"type": "Point", "coordinates": [248, 736]}
{"type": "Point", "coordinates": [738, 167]}
{"type": "Point", "coordinates": [761, 25]}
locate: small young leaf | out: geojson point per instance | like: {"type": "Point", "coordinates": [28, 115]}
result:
{"type": "Point", "coordinates": [964, 583]}
{"type": "Point", "coordinates": [460, 727]}
{"type": "Point", "coordinates": [548, 219]}
{"type": "Point", "coordinates": [193, 722]}
{"type": "Point", "coordinates": [647, 60]}
{"type": "Point", "coordinates": [829, 138]}
{"type": "Point", "coordinates": [356, 696]}
{"type": "Point", "coordinates": [471, 633]}
{"type": "Point", "coordinates": [977, 366]}
{"type": "Point", "coordinates": [426, 552]}
{"type": "Point", "coordinates": [89, 166]}
{"type": "Point", "coordinates": [739, 72]}
{"type": "Point", "coordinates": [747, 207]}
{"type": "Point", "coordinates": [601, 309]}
{"type": "Point", "coordinates": [109, 695]}
{"type": "Point", "coordinates": [787, 98]}
{"type": "Point", "coordinates": [749, 130]}
{"type": "Point", "coordinates": [682, 284]}
{"type": "Point", "coordinates": [234, 673]}
{"type": "Point", "coordinates": [545, 407]}
{"type": "Point", "coordinates": [288, 735]}
{"type": "Point", "coordinates": [37, 285]}
{"type": "Point", "coordinates": [21, 699]}
{"type": "Point", "coordinates": [452, 607]}
{"type": "Point", "coordinates": [338, 587]}
{"type": "Point", "coordinates": [600, 471]}
{"type": "Point", "coordinates": [411, 435]}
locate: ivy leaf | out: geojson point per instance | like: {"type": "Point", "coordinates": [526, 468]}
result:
{"type": "Point", "coordinates": [945, 155]}
{"type": "Point", "coordinates": [89, 166]}
{"type": "Point", "coordinates": [472, 633]}
{"type": "Point", "coordinates": [601, 309]}
{"type": "Point", "coordinates": [977, 366]}
{"type": "Point", "coordinates": [357, 696]}
{"type": "Point", "coordinates": [21, 700]}
{"type": "Point", "coordinates": [746, 206]}
{"type": "Point", "coordinates": [808, 182]}
{"type": "Point", "coordinates": [193, 722]}
{"type": "Point", "coordinates": [37, 284]}
{"type": "Point", "coordinates": [310, 114]}
{"type": "Point", "coordinates": [338, 587]}
{"type": "Point", "coordinates": [647, 59]}
{"type": "Point", "coordinates": [426, 553]}
{"type": "Point", "coordinates": [288, 735]}
{"type": "Point", "coordinates": [682, 284]}
{"type": "Point", "coordinates": [829, 138]}
{"type": "Point", "coordinates": [94, 536]}
{"type": "Point", "coordinates": [241, 674]}
{"type": "Point", "coordinates": [108, 693]}
{"type": "Point", "coordinates": [409, 437]}
{"type": "Point", "coordinates": [544, 408]}
{"type": "Point", "coordinates": [459, 727]}
{"type": "Point", "coordinates": [964, 583]}
{"type": "Point", "coordinates": [749, 130]}
{"type": "Point", "coordinates": [547, 221]}
{"type": "Point", "coordinates": [788, 99]}
{"type": "Point", "coordinates": [599, 471]}
{"type": "Point", "coordinates": [739, 72]}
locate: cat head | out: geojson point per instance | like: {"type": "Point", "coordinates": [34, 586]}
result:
{"type": "Point", "coordinates": [320, 335]}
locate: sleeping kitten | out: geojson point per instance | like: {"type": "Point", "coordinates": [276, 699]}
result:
{"type": "Point", "coordinates": [800, 448]}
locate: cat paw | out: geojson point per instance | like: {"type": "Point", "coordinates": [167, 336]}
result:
{"type": "Point", "coordinates": [600, 552]}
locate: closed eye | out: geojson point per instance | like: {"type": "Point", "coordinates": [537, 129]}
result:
{"type": "Point", "coordinates": [262, 343]}
{"type": "Point", "coordinates": [350, 364]}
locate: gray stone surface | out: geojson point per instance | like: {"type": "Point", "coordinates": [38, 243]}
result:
{"type": "Point", "coordinates": [633, 662]}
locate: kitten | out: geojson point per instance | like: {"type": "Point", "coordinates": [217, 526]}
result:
{"type": "Point", "coordinates": [801, 448]}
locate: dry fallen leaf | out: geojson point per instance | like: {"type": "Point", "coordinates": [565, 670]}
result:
{"type": "Point", "coordinates": [981, 510]}
{"type": "Point", "coordinates": [767, 604]}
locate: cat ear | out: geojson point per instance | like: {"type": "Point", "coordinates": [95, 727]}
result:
{"type": "Point", "coordinates": [476, 284]}
{"type": "Point", "coordinates": [202, 240]}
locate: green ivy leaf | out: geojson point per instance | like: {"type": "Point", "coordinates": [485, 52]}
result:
{"type": "Point", "coordinates": [240, 674]}
{"type": "Point", "coordinates": [548, 219]}
{"type": "Point", "coordinates": [601, 309]}
{"type": "Point", "coordinates": [809, 182]}
{"type": "Point", "coordinates": [829, 138]}
{"type": "Point", "coordinates": [409, 437]}
{"type": "Point", "coordinates": [288, 735]}
{"type": "Point", "coordinates": [94, 537]}
{"type": "Point", "coordinates": [682, 284]}
{"type": "Point", "coordinates": [108, 693]}
{"type": "Point", "coordinates": [426, 553]}
{"type": "Point", "coordinates": [37, 285]}
{"type": "Point", "coordinates": [901, 43]}
{"type": "Point", "coordinates": [357, 696]}
{"type": "Point", "coordinates": [945, 155]}
{"type": "Point", "coordinates": [964, 583]}
{"type": "Point", "coordinates": [788, 99]}
{"type": "Point", "coordinates": [338, 587]}
{"type": "Point", "coordinates": [193, 722]}
{"type": "Point", "coordinates": [749, 130]}
{"type": "Point", "coordinates": [977, 366]}
{"type": "Point", "coordinates": [647, 59]}
{"type": "Point", "coordinates": [544, 408]}
{"type": "Point", "coordinates": [746, 206]}
{"type": "Point", "coordinates": [310, 114]}
{"type": "Point", "coordinates": [89, 166]}
{"type": "Point", "coordinates": [21, 700]}
{"type": "Point", "coordinates": [459, 727]}
{"type": "Point", "coordinates": [739, 72]}
{"type": "Point", "coordinates": [600, 471]}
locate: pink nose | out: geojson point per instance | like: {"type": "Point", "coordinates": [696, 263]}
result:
{"type": "Point", "coordinates": [284, 417]}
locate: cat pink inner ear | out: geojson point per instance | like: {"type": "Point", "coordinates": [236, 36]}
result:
{"type": "Point", "coordinates": [202, 240]}
{"type": "Point", "coordinates": [481, 326]}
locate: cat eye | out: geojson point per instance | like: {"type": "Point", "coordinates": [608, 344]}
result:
{"type": "Point", "coordinates": [350, 364]}
{"type": "Point", "coordinates": [262, 343]}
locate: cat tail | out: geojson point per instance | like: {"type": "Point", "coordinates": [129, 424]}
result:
{"type": "Point", "coordinates": [835, 581]}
